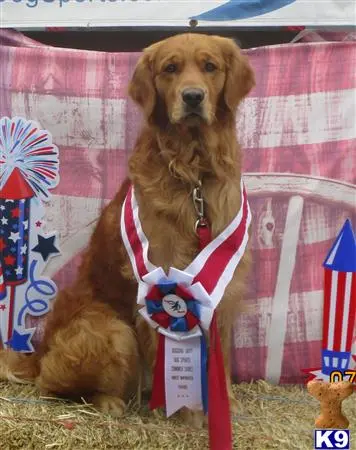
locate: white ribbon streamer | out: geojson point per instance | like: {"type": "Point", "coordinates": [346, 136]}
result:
{"type": "Point", "coordinates": [182, 374]}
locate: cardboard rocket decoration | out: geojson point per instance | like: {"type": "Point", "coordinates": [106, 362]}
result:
{"type": "Point", "coordinates": [28, 170]}
{"type": "Point", "coordinates": [339, 316]}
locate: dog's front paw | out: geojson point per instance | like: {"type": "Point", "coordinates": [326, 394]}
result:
{"type": "Point", "coordinates": [194, 419]}
{"type": "Point", "coordinates": [109, 404]}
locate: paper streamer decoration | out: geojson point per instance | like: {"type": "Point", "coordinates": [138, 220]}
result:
{"type": "Point", "coordinates": [29, 169]}
{"type": "Point", "coordinates": [339, 315]}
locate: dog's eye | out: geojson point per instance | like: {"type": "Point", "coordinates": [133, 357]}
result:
{"type": "Point", "coordinates": [209, 67]}
{"type": "Point", "coordinates": [171, 68]}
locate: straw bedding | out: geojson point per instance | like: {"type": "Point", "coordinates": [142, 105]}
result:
{"type": "Point", "coordinates": [270, 417]}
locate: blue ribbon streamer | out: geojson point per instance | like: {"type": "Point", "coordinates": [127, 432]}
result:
{"type": "Point", "coordinates": [36, 306]}
{"type": "Point", "coordinates": [204, 373]}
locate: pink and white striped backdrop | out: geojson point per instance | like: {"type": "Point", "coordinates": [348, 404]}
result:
{"type": "Point", "coordinates": [298, 132]}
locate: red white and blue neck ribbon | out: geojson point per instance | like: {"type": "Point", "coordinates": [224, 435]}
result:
{"type": "Point", "coordinates": [180, 305]}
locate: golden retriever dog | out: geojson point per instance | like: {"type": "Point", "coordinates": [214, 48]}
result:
{"type": "Point", "coordinates": [95, 343]}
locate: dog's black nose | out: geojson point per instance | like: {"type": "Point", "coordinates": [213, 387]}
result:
{"type": "Point", "coordinates": [193, 97]}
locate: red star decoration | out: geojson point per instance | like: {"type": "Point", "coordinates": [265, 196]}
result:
{"type": "Point", "coordinates": [15, 212]}
{"type": "Point", "coordinates": [9, 260]}
{"type": "Point", "coordinates": [2, 244]}
{"type": "Point", "coordinates": [38, 223]}
{"type": "Point", "coordinates": [2, 307]}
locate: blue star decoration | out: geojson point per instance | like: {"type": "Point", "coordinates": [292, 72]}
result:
{"type": "Point", "coordinates": [21, 342]}
{"type": "Point", "coordinates": [46, 246]}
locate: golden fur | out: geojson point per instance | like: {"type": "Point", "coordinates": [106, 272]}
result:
{"type": "Point", "coordinates": [93, 336]}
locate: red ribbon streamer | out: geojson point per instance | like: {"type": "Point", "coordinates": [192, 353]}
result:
{"type": "Point", "coordinates": [220, 433]}
{"type": "Point", "coordinates": [158, 397]}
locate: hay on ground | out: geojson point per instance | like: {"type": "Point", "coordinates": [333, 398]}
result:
{"type": "Point", "coordinates": [270, 417]}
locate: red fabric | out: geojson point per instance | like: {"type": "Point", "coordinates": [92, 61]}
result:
{"type": "Point", "coordinates": [158, 397]}
{"type": "Point", "coordinates": [155, 294]}
{"type": "Point", "coordinates": [162, 319]}
{"type": "Point", "coordinates": [131, 230]}
{"type": "Point", "coordinates": [217, 262]}
{"type": "Point", "coordinates": [204, 236]}
{"type": "Point", "coordinates": [192, 321]}
{"type": "Point", "coordinates": [220, 432]}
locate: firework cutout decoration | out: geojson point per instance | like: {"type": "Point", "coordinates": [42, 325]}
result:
{"type": "Point", "coordinates": [339, 317]}
{"type": "Point", "coordinates": [28, 171]}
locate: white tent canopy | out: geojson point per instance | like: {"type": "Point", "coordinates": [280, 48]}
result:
{"type": "Point", "coordinates": [174, 13]}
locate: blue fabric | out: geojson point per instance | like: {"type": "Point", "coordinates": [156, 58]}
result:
{"type": "Point", "coordinates": [179, 324]}
{"type": "Point", "coordinates": [204, 373]}
{"type": "Point", "coordinates": [242, 9]}
{"type": "Point", "coordinates": [194, 308]}
{"type": "Point", "coordinates": [166, 286]}
{"type": "Point", "coordinates": [154, 307]}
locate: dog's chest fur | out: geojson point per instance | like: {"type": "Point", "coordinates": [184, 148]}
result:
{"type": "Point", "coordinates": [168, 219]}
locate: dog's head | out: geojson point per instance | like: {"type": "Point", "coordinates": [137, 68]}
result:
{"type": "Point", "coordinates": [191, 79]}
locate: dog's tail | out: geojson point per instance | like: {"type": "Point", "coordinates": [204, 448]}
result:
{"type": "Point", "coordinates": [18, 367]}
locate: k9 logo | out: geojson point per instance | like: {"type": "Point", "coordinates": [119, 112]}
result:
{"type": "Point", "coordinates": [326, 439]}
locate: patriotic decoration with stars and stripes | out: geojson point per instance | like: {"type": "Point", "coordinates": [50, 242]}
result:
{"type": "Point", "coordinates": [339, 317]}
{"type": "Point", "coordinates": [28, 170]}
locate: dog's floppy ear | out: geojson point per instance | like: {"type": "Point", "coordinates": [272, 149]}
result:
{"type": "Point", "coordinates": [141, 87]}
{"type": "Point", "coordinates": [240, 78]}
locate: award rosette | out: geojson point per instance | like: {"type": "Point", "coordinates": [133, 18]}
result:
{"type": "Point", "coordinates": [172, 308]}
